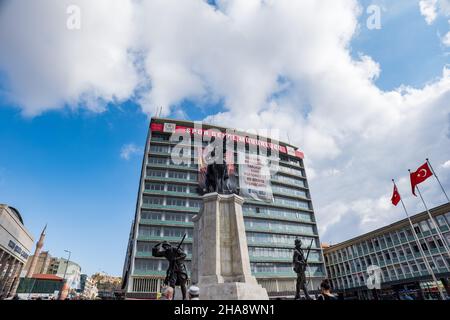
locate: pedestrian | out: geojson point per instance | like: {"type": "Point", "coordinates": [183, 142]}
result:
{"type": "Point", "coordinates": [167, 293]}
{"type": "Point", "coordinates": [325, 291]}
{"type": "Point", "coordinates": [194, 293]}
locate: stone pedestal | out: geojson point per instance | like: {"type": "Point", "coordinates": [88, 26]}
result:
{"type": "Point", "coordinates": [221, 265]}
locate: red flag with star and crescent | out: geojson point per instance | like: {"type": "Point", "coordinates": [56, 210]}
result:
{"type": "Point", "coordinates": [395, 196]}
{"type": "Point", "coordinates": [419, 176]}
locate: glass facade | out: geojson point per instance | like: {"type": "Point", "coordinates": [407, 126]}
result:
{"type": "Point", "coordinates": [168, 198]}
{"type": "Point", "coordinates": [394, 250]}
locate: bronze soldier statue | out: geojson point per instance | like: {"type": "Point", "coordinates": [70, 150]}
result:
{"type": "Point", "coordinates": [218, 179]}
{"type": "Point", "coordinates": [176, 274]}
{"type": "Point", "coordinates": [300, 263]}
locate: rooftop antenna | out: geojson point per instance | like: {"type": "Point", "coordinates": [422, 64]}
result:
{"type": "Point", "coordinates": [289, 140]}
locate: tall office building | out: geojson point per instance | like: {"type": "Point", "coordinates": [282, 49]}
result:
{"type": "Point", "coordinates": [169, 197]}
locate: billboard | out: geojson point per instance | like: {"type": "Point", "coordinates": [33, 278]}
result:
{"type": "Point", "coordinates": [254, 177]}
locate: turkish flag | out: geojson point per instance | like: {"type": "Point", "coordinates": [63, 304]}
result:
{"type": "Point", "coordinates": [419, 176]}
{"type": "Point", "coordinates": [395, 196]}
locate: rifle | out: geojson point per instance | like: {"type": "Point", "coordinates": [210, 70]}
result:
{"type": "Point", "coordinates": [306, 259]}
{"type": "Point", "coordinates": [309, 250]}
{"type": "Point", "coordinates": [170, 271]}
{"type": "Point", "coordinates": [179, 245]}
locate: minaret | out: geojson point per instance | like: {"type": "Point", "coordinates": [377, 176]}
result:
{"type": "Point", "coordinates": [35, 258]}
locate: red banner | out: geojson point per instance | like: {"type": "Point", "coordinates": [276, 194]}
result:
{"type": "Point", "coordinates": [243, 139]}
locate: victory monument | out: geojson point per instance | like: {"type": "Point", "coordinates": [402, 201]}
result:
{"type": "Point", "coordinates": [221, 264]}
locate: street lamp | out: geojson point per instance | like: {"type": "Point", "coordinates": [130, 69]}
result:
{"type": "Point", "coordinates": [65, 272]}
{"type": "Point", "coordinates": [67, 265]}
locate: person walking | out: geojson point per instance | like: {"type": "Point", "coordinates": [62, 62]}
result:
{"type": "Point", "coordinates": [167, 293]}
{"type": "Point", "coordinates": [325, 291]}
{"type": "Point", "coordinates": [194, 292]}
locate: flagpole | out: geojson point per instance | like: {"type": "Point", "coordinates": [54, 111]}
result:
{"type": "Point", "coordinates": [434, 223]}
{"type": "Point", "coordinates": [435, 175]}
{"type": "Point", "coordinates": [427, 263]}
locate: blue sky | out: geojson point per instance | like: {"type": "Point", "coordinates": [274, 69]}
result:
{"type": "Point", "coordinates": [62, 164]}
{"type": "Point", "coordinates": [408, 50]}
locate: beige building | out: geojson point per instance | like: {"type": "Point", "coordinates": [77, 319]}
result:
{"type": "Point", "coordinates": [42, 264]}
{"type": "Point", "coordinates": [88, 288]}
{"type": "Point", "coordinates": [16, 243]}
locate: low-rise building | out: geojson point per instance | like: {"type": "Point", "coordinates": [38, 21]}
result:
{"type": "Point", "coordinates": [393, 252]}
{"type": "Point", "coordinates": [16, 243]}
{"type": "Point", "coordinates": [109, 287]}
{"type": "Point", "coordinates": [42, 264]}
{"type": "Point", "coordinates": [88, 288]}
{"type": "Point", "coordinates": [69, 270]}
{"type": "Point", "coordinates": [40, 286]}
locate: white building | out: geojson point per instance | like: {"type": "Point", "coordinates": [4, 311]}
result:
{"type": "Point", "coordinates": [16, 243]}
{"type": "Point", "coordinates": [68, 270]}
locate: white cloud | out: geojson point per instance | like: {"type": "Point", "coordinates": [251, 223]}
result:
{"type": "Point", "coordinates": [48, 65]}
{"type": "Point", "coordinates": [446, 39]}
{"type": "Point", "coordinates": [430, 9]}
{"type": "Point", "coordinates": [274, 64]}
{"type": "Point", "coordinates": [446, 164]}
{"type": "Point", "coordinates": [129, 150]}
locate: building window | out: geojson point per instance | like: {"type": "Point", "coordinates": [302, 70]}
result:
{"type": "Point", "coordinates": [178, 175]}
{"type": "Point", "coordinates": [424, 226]}
{"type": "Point", "coordinates": [193, 176]}
{"type": "Point", "coordinates": [431, 243]}
{"type": "Point", "coordinates": [407, 250]}
{"type": "Point", "coordinates": [153, 200]}
{"type": "Point", "coordinates": [176, 188]}
{"type": "Point", "coordinates": [440, 262]}
{"type": "Point", "coordinates": [154, 186]}
{"type": "Point", "coordinates": [146, 265]}
{"type": "Point", "coordinates": [177, 202]}
{"type": "Point", "coordinates": [149, 231]}
{"type": "Point", "coordinates": [159, 137]}
{"type": "Point", "coordinates": [409, 233]}
{"type": "Point", "coordinates": [417, 229]}
{"type": "Point", "coordinates": [195, 203]}
{"type": "Point", "coordinates": [176, 232]}
{"type": "Point", "coordinates": [169, 216]}
{"type": "Point", "coordinates": [441, 221]}
{"type": "Point", "coordinates": [150, 215]}
{"type": "Point", "coordinates": [157, 160]}
{"type": "Point", "coordinates": [291, 203]}
{"type": "Point", "coordinates": [156, 173]}
{"type": "Point", "coordinates": [158, 148]}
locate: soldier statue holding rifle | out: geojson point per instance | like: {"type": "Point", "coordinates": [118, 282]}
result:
{"type": "Point", "coordinates": [176, 274]}
{"type": "Point", "coordinates": [300, 263]}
